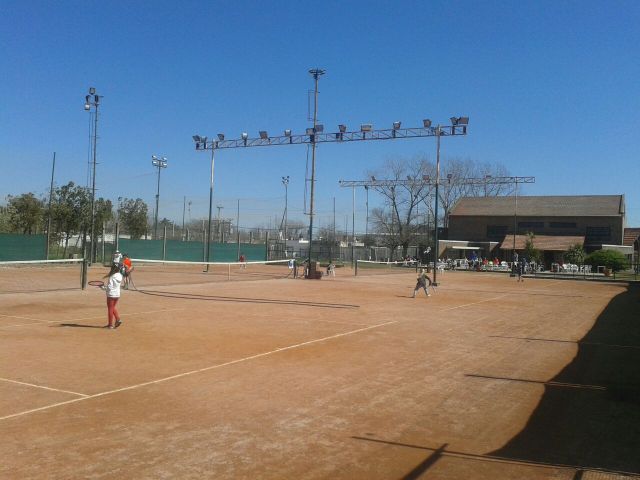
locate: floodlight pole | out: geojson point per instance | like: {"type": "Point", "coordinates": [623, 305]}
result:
{"type": "Point", "coordinates": [160, 163]}
{"type": "Point", "coordinates": [208, 239]}
{"type": "Point", "coordinates": [435, 242]}
{"type": "Point", "coordinates": [93, 99]}
{"type": "Point", "coordinates": [285, 182]}
{"type": "Point", "coordinates": [316, 73]}
{"type": "Point", "coordinates": [353, 225]}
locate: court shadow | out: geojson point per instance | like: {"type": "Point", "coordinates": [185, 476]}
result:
{"type": "Point", "coordinates": [218, 298]}
{"type": "Point", "coordinates": [595, 423]}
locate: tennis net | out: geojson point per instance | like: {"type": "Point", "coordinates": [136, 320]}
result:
{"type": "Point", "coordinates": [40, 275]}
{"type": "Point", "coordinates": [370, 267]}
{"type": "Point", "coordinates": [153, 273]}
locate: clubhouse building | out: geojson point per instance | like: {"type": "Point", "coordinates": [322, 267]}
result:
{"type": "Point", "coordinates": [494, 226]}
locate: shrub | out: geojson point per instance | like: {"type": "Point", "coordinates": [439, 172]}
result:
{"type": "Point", "coordinates": [575, 254]}
{"type": "Point", "coordinates": [611, 259]}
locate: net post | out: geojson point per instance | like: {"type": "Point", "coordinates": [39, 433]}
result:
{"type": "Point", "coordinates": [83, 274]}
{"type": "Point", "coordinates": [356, 271]}
{"type": "Point", "coordinates": [228, 271]}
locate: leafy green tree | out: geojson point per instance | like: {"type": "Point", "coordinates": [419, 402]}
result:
{"type": "Point", "coordinates": [25, 213]}
{"type": "Point", "coordinates": [530, 251]}
{"type": "Point", "coordinates": [610, 259]}
{"type": "Point", "coordinates": [4, 220]}
{"type": "Point", "coordinates": [575, 254]}
{"type": "Point", "coordinates": [70, 212]}
{"type": "Point", "coordinates": [103, 212]}
{"type": "Point", "coordinates": [133, 216]}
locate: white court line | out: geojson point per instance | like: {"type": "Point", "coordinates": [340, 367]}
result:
{"type": "Point", "coordinates": [200, 370]}
{"type": "Point", "coordinates": [23, 318]}
{"type": "Point", "coordinates": [474, 303]}
{"type": "Point", "coordinates": [41, 386]}
{"type": "Point", "coordinates": [88, 318]}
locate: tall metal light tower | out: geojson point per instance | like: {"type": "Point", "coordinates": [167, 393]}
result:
{"type": "Point", "coordinates": [316, 73]}
{"type": "Point", "coordinates": [160, 163]}
{"type": "Point", "coordinates": [93, 100]}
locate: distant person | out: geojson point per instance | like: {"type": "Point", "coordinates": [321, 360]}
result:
{"type": "Point", "coordinates": [113, 295]}
{"type": "Point", "coordinates": [243, 261]}
{"type": "Point", "coordinates": [116, 258]}
{"type": "Point", "coordinates": [422, 281]}
{"type": "Point", "coordinates": [127, 272]}
{"type": "Point", "coordinates": [331, 270]}
{"type": "Point", "coordinates": [520, 268]}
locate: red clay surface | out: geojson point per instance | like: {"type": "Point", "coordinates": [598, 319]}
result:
{"type": "Point", "coordinates": [343, 378]}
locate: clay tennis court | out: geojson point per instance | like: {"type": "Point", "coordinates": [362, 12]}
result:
{"type": "Point", "coordinates": [342, 378]}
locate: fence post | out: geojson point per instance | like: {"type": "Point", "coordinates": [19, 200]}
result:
{"type": "Point", "coordinates": [103, 229]}
{"type": "Point", "coordinates": [164, 243]}
{"type": "Point", "coordinates": [356, 270]}
{"type": "Point", "coordinates": [266, 245]}
{"type": "Point", "coordinates": [204, 245]}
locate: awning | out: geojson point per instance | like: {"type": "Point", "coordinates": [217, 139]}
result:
{"type": "Point", "coordinates": [545, 243]}
{"type": "Point", "coordinates": [464, 248]}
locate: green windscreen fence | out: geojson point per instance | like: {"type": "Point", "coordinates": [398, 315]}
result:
{"type": "Point", "coordinates": [22, 247]}
{"type": "Point", "coordinates": [188, 251]}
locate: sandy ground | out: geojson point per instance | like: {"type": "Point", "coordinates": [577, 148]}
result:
{"type": "Point", "coordinates": [342, 378]}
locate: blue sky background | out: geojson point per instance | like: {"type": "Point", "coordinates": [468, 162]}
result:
{"type": "Point", "coordinates": [551, 89]}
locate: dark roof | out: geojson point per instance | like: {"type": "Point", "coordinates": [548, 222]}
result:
{"type": "Point", "coordinates": [543, 242]}
{"type": "Point", "coordinates": [549, 206]}
{"type": "Point", "coordinates": [630, 236]}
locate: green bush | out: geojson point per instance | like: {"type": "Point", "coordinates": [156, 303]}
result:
{"type": "Point", "coordinates": [575, 254]}
{"type": "Point", "coordinates": [611, 259]}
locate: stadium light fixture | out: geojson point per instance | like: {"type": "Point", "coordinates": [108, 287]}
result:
{"type": "Point", "coordinates": [196, 138]}
{"type": "Point", "coordinates": [366, 127]}
{"type": "Point", "coordinates": [244, 135]}
{"type": "Point", "coordinates": [221, 136]}
{"type": "Point", "coordinates": [310, 131]}
{"type": "Point", "coordinates": [426, 123]}
{"type": "Point", "coordinates": [264, 135]}
{"type": "Point", "coordinates": [319, 128]}
{"type": "Point", "coordinates": [287, 133]}
{"type": "Point", "coordinates": [396, 125]}
{"type": "Point", "coordinates": [342, 128]}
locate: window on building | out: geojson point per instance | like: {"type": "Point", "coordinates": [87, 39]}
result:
{"type": "Point", "coordinates": [563, 224]}
{"type": "Point", "coordinates": [601, 234]}
{"type": "Point", "coordinates": [496, 231]}
{"type": "Point", "coordinates": [530, 225]}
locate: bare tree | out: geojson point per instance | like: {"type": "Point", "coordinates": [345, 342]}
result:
{"type": "Point", "coordinates": [397, 220]}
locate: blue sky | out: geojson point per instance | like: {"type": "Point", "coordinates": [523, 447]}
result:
{"type": "Point", "coordinates": [551, 89]}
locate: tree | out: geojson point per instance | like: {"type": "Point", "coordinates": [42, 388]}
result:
{"type": "Point", "coordinates": [575, 254]}
{"type": "Point", "coordinates": [133, 216]}
{"type": "Point", "coordinates": [396, 221]}
{"type": "Point", "coordinates": [530, 251]}
{"type": "Point", "coordinates": [70, 213]}
{"type": "Point", "coordinates": [610, 259]}
{"type": "Point", "coordinates": [25, 213]}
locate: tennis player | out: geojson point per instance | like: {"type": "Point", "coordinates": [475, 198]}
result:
{"type": "Point", "coordinates": [421, 282]}
{"type": "Point", "coordinates": [113, 295]}
{"type": "Point", "coordinates": [128, 270]}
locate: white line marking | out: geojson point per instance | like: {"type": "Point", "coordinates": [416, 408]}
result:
{"type": "Point", "coordinates": [23, 318]}
{"type": "Point", "coordinates": [475, 303]}
{"type": "Point", "coordinates": [41, 386]}
{"type": "Point", "coordinates": [200, 370]}
{"type": "Point", "coordinates": [42, 322]}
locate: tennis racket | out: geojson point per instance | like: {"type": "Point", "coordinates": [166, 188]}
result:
{"type": "Point", "coordinates": [96, 283]}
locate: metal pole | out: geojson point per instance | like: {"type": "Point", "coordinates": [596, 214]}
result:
{"type": "Point", "coordinates": [164, 243]}
{"type": "Point", "coordinates": [366, 228]}
{"type": "Point", "coordinates": [316, 74]}
{"type": "Point", "coordinates": [155, 224]}
{"type": "Point", "coordinates": [286, 210]}
{"type": "Point", "coordinates": [238, 229]}
{"type": "Point", "coordinates": [208, 237]}
{"type": "Point", "coordinates": [353, 226]}
{"type": "Point", "coordinates": [515, 220]}
{"type": "Point", "coordinates": [435, 243]}
{"type": "Point", "coordinates": [53, 168]}
{"type": "Point", "coordinates": [93, 188]}
{"type": "Point", "coordinates": [184, 205]}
